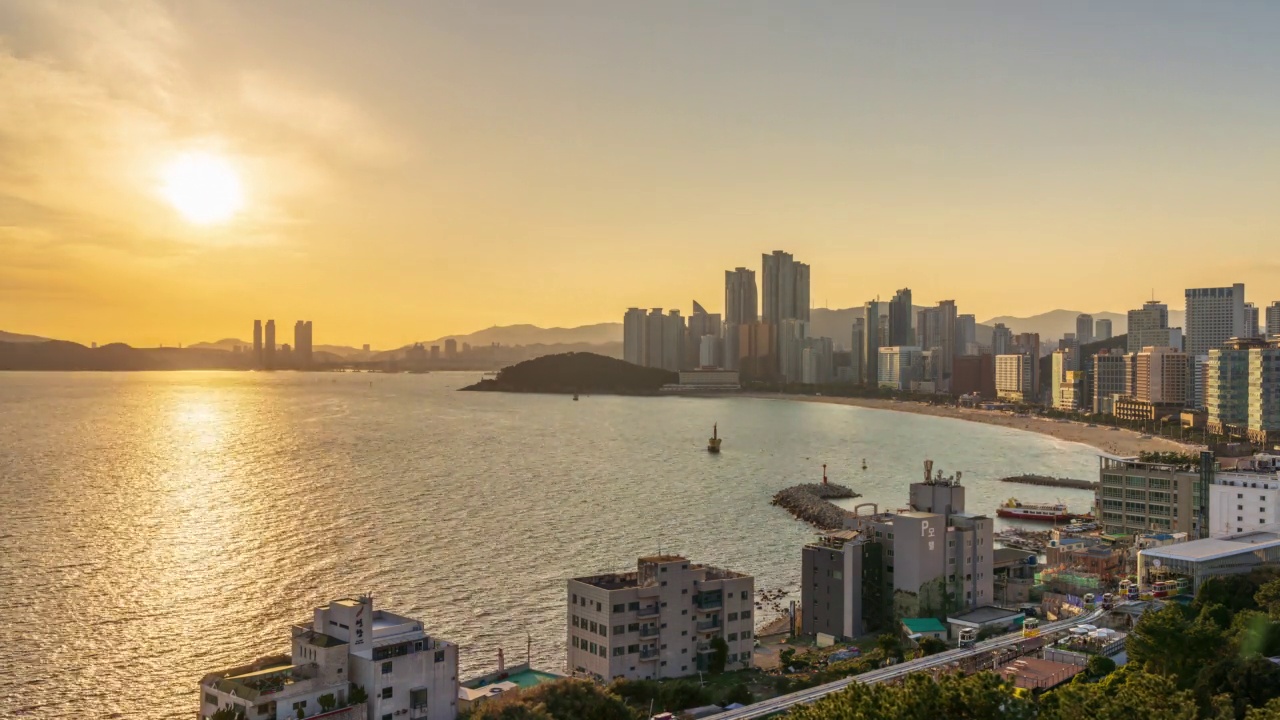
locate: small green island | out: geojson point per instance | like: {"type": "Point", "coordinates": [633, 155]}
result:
{"type": "Point", "coordinates": [577, 372]}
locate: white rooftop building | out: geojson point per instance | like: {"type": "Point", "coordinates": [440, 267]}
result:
{"type": "Point", "coordinates": [347, 649]}
{"type": "Point", "coordinates": [1199, 560]}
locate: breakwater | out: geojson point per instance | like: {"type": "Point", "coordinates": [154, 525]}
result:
{"type": "Point", "coordinates": [1051, 481]}
{"type": "Point", "coordinates": [811, 502]}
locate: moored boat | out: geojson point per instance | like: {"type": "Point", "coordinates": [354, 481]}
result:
{"type": "Point", "coordinates": [713, 442]}
{"type": "Point", "coordinates": [1047, 512]}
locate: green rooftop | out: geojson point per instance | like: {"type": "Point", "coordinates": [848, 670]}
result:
{"type": "Point", "coordinates": [924, 625]}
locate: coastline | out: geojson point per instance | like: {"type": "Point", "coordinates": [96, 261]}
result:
{"type": "Point", "coordinates": [1125, 443]}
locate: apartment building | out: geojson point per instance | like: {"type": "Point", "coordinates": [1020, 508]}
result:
{"type": "Point", "coordinates": [898, 367]}
{"type": "Point", "coordinates": [833, 571]}
{"type": "Point", "coordinates": [1015, 378]}
{"type": "Point", "coordinates": [1242, 390]}
{"type": "Point", "coordinates": [1136, 497]}
{"type": "Point", "coordinates": [659, 621]}
{"type": "Point", "coordinates": [1110, 378]}
{"type": "Point", "coordinates": [937, 558]}
{"type": "Point", "coordinates": [403, 671]}
{"type": "Point", "coordinates": [1245, 500]}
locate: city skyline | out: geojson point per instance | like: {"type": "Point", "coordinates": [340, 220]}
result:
{"type": "Point", "coordinates": [240, 163]}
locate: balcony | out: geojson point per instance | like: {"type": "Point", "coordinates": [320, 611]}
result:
{"type": "Point", "coordinates": [648, 611]}
{"type": "Point", "coordinates": [712, 625]}
{"type": "Point", "coordinates": [648, 631]}
{"type": "Point", "coordinates": [706, 602]}
{"type": "Point", "coordinates": [704, 647]}
{"type": "Point", "coordinates": [648, 653]}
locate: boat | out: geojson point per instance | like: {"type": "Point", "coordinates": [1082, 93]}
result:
{"type": "Point", "coordinates": [713, 442]}
{"type": "Point", "coordinates": [864, 463]}
{"type": "Point", "coordinates": [1048, 512]}
{"type": "Point", "coordinates": [575, 397]}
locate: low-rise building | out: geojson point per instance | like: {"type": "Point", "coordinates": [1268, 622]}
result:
{"type": "Point", "coordinates": [1198, 560]}
{"type": "Point", "coordinates": [1245, 499]}
{"type": "Point", "coordinates": [1136, 497]}
{"type": "Point", "coordinates": [348, 646]}
{"type": "Point", "coordinates": [659, 621]}
{"type": "Point", "coordinates": [988, 618]}
{"type": "Point", "coordinates": [918, 629]}
{"type": "Point", "coordinates": [505, 680]}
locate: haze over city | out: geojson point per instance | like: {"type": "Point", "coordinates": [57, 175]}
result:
{"type": "Point", "coordinates": [172, 169]}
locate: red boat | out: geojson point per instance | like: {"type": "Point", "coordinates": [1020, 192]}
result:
{"type": "Point", "coordinates": [1045, 512]}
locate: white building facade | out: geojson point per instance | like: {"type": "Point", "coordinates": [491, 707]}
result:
{"type": "Point", "coordinates": [659, 621]}
{"type": "Point", "coordinates": [403, 672]}
{"type": "Point", "coordinates": [1013, 377]}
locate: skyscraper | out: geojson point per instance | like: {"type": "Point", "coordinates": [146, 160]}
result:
{"type": "Point", "coordinates": [871, 343]}
{"type": "Point", "coordinates": [1273, 318]}
{"type": "Point", "coordinates": [257, 341]}
{"type": "Point", "coordinates": [1149, 327]}
{"type": "Point", "coordinates": [673, 334]}
{"type": "Point", "coordinates": [1001, 340]}
{"type": "Point", "coordinates": [302, 343]}
{"type": "Point", "coordinates": [786, 288]}
{"type": "Point", "coordinates": [633, 336]}
{"type": "Point", "coordinates": [1084, 328]}
{"type": "Point", "coordinates": [900, 311]}
{"type": "Point", "coordinates": [1214, 316]}
{"type": "Point", "coordinates": [1102, 330]}
{"type": "Point", "coordinates": [451, 349]}
{"type": "Point", "coordinates": [702, 325]}
{"type": "Point", "coordinates": [740, 300]}
{"type": "Point", "coordinates": [1251, 326]}
{"type": "Point", "coordinates": [791, 343]}
{"type": "Point", "coordinates": [857, 356]}
{"type": "Point", "coordinates": [269, 346]}
{"type": "Point", "coordinates": [966, 334]}
{"type": "Point", "coordinates": [947, 328]}
{"type": "Point", "coordinates": [654, 323]}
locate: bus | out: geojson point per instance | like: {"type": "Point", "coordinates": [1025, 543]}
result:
{"type": "Point", "coordinates": [1030, 628]}
{"type": "Point", "coordinates": [1108, 600]}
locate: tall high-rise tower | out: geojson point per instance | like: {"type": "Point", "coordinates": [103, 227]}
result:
{"type": "Point", "coordinates": [786, 288]}
{"type": "Point", "coordinates": [900, 312]}
{"type": "Point", "coordinates": [1084, 328]}
{"type": "Point", "coordinates": [1214, 316]}
{"type": "Point", "coordinates": [740, 298]}
{"type": "Point", "coordinates": [257, 341]}
{"type": "Point", "coordinates": [871, 343]}
{"type": "Point", "coordinates": [269, 346]}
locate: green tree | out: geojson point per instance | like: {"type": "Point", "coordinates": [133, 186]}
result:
{"type": "Point", "coordinates": [983, 696]}
{"type": "Point", "coordinates": [1254, 632]}
{"type": "Point", "coordinates": [719, 655]}
{"type": "Point", "coordinates": [1165, 642]}
{"type": "Point", "coordinates": [327, 701]}
{"type": "Point", "coordinates": [1099, 666]}
{"type": "Point", "coordinates": [1268, 598]}
{"type": "Point", "coordinates": [739, 693]}
{"type": "Point", "coordinates": [357, 695]}
{"type": "Point", "coordinates": [1270, 711]}
{"type": "Point", "coordinates": [1120, 696]}
{"type": "Point", "coordinates": [890, 644]}
{"type": "Point", "coordinates": [1246, 682]}
{"type": "Point", "coordinates": [932, 646]}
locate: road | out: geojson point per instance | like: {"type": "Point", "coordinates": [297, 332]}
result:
{"type": "Point", "coordinates": [782, 702]}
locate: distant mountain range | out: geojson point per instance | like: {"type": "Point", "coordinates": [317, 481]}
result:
{"type": "Point", "coordinates": [1054, 324]}
{"type": "Point", "coordinates": [20, 338]}
{"type": "Point", "coordinates": [533, 335]}
{"type": "Point", "coordinates": [230, 344]}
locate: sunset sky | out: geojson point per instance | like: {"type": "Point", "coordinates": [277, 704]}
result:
{"type": "Point", "coordinates": [401, 171]}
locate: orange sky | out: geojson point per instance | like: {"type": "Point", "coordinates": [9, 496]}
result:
{"type": "Point", "coordinates": [436, 168]}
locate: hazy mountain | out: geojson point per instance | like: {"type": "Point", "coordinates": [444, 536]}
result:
{"type": "Point", "coordinates": [20, 338]}
{"type": "Point", "coordinates": [59, 355]}
{"type": "Point", "coordinates": [534, 335]}
{"type": "Point", "coordinates": [1054, 324]}
{"type": "Point", "coordinates": [229, 345]}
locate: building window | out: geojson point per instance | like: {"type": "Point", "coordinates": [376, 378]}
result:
{"type": "Point", "coordinates": [631, 649]}
{"type": "Point", "coordinates": [386, 668]}
{"type": "Point", "coordinates": [1239, 518]}
{"type": "Point", "coordinates": [620, 607]}
{"type": "Point", "coordinates": [684, 633]}
{"type": "Point", "coordinates": [664, 582]}
{"type": "Point", "coordinates": [684, 612]}
{"type": "Point", "coordinates": [387, 692]}
{"type": "Point", "coordinates": [746, 634]}
{"type": "Point", "coordinates": [733, 616]}
{"type": "Point", "coordinates": [1239, 507]}
{"type": "Point", "coordinates": [619, 629]}
{"type": "Point", "coordinates": [211, 698]}
{"type": "Point", "coordinates": [684, 591]}
{"type": "Point", "coordinates": [599, 607]}
{"type": "Point", "coordinates": [388, 716]}
{"type": "Point", "coordinates": [439, 656]}
{"type": "Point", "coordinates": [1239, 496]}
{"type": "Point", "coordinates": [744, 594]}
{"type": "Point", "coordinates": [733, 637]}
{"type": "Point", "coordinates": [619, 651]}
{"type": "Point", "coordinates": [633, 606]}
{"type": "Point", "coordinates": [746, 614]}
{"type": "Point", "coordinates": [575, 598]}
{"type": "Point", "coordinates": [418, 698]}
{"type": "Point", "coordinates": [633, 627]}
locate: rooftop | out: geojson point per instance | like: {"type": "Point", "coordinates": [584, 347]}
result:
{"type": "Point", "coordinates": [985, 614]}
{"type": "Point", "coordinates": [924, 625]}
{"type": "Point", "coordinates": [1214, 548]}
{"type": "Point", "coordinates": [1011, 556]}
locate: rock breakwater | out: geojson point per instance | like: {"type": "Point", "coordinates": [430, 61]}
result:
{"type": "Point", "coordinates": [811, 502]}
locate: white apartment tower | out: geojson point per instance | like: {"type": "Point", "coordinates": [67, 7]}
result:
{"type": "Point", "coordinates": [1013, 377]}
{"type": "Point", "coordinates": [786, 288]}
{"type": "Point", "coordinates": [659, 621]}
{"type": "Point", "coordinates": [1149, 327]}
{"type": "Point", "coordinates": [1214, 316]}
{"type": "Point", "coordinates": [348, 644]}
{"type": "Point", "coordinates": [633, 336]}
{"type": "Point", "coordinates": [740, 300]}
{"type": "Point", "coordinates": [1273, 318]}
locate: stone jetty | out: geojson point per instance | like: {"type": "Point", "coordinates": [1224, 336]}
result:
{"type": "Point", "coordinates": [811, 502]}
{"type": "Point", "coordinates": [1051, 481]}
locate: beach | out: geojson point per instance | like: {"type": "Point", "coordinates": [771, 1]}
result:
{"type": "Point", "coordinates": [1123, 443]}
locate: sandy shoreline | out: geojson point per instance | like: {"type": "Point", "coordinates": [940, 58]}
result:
{"type": "Point", "coordinates": [1125, 443]}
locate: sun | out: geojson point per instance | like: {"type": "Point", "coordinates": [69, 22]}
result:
{"type": "Point", "coordinates": [203, 187]}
